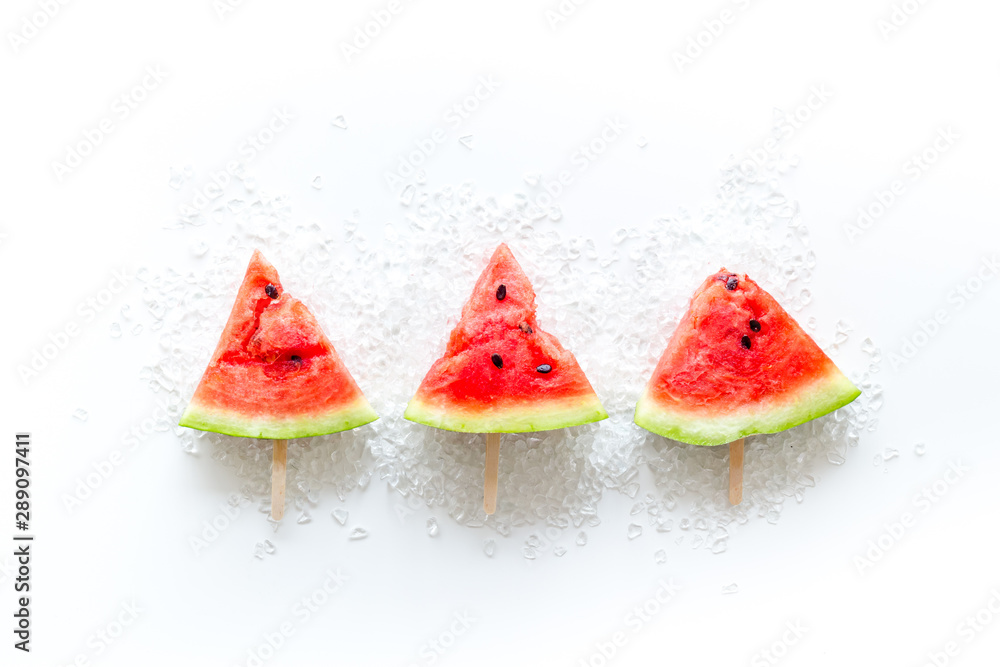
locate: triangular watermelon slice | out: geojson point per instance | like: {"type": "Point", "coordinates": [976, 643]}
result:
{"type": "Point", "coordinates": [274, 374]}
{"type": "Point", "coordinates": [501, 373]}
{"type": "Point", "coordinates": [738, 364]}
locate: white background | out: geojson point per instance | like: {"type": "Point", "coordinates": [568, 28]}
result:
{"type": "Point", "coordinates": [61, 240]}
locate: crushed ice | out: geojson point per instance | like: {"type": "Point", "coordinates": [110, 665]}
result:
{"type": "Point", "coordinates": [400, 290]}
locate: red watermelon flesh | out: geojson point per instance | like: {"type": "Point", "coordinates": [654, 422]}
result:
{"type": "Point", "coordinates": [738, 364]}
{"type": "Point", "coordinates": [500, 372]}
{"type": "Point", "coordinates": [274, 373]}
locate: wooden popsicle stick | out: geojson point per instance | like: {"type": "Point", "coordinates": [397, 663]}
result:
{"type": "Point", "coordinates": [490, 478]}
{"type": "Point", "coordinates": [278, 479]}
{"type": "Point", "coordinates": [736, 472]}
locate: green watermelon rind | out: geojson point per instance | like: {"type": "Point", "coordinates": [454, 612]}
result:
{"type": "Point", "coordinates": [540, 416]}
{"type": "Point", "coordinates": [219, 420]}
{"type": "Point", "coordinates": [826, 394]}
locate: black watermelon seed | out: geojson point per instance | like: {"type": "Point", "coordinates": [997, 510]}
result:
{"type": "Point", "coordinates": [296, 358]}
{"type": "Point", "coordinates": [497, 360]}
{"type": "Point", "coordinates": [754, 325]}
{"type": "Point", "coordinates": [501, 293]}
{"type": "Point", "coordinates": [732, 283]}
{"type": "Point", "coordinates": [271, 291]}
{"type": "Point", "coordinates": [526, 328]}
{"type": "Point", "coordinates": [745, 342]}
{"type": "Point", "coordinates": [544, 368]}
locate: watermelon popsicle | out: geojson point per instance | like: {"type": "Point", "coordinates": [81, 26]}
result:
{"type": "Point", "coordinates": [274, 374]}
{"type": "Point", "coordinates": [501, 373]}
{"type": "Point", "coordinates": [738, 364]}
